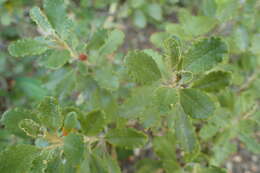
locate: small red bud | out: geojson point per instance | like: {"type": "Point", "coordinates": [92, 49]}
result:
{"type": "Point", "coordinates": [83, 57]}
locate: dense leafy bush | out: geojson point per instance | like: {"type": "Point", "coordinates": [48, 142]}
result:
{"type": "Point", "coordinates": [83, 106]}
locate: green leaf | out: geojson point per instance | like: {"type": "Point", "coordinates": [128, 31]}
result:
{"type": "Point", "coordinates": [112, 165]}
{"type": "Point", "coordinates": [165, 146]}
{"type": "Point", "coordinates": [97, 39]}
{"type": "Point", "coordinates": [184, 132]}
{"type": "Point", "coordinates": [93, 123]}
{"type": "Point", "coordinates": [27, 47]}
{"type": "Point", "coordinates": [213, 81]}
{"type": "Point", "coordinates": [208, 131]}
{"type": "Point", "coordinates": [196, 25]}
{"type": "Point", "coordinates": [226, 99]}
{"type": "Point", "coordinates": [164, 99]}
{"type": "Point", "coordinates": [101, 162]}
{"type": "Point", "coordinates": [139, 19]}
{"type": "Point", "coordinates": [97, 164]}
{"type": "Point", "coordinates": [73, 148]}
{"type": "Point", "coordinates": [142, 67]}
{"type": "Point", "coordinates": [196, 103]}
{"type": "Point", "coordinates": [31, 87]}
{"type": "Point", "coordinates": [148, 165]}
{"type": "Point", "coordinates": [172, 166]}
{"type": "Point", "coordinates": [255, 44]}
{"type": "Point", "coordinates": [205, 54]}
{"type": "Point", "coordinates": [127, 137]}
{"type": "Point", "coordinates": [213, 169]}
{"type": "Point", "coordinates": [114, 40]}
{"type": "Point", "coordinates": [56, 13]}
{"type": "Point", "coordinates": [158, 38]}
{"type": "Point", "coordinates": [159, 61]}
{"type": "Point", "coordinates": [107, 78]}
{"type": "Point", "coordinates": [71, 121]}
{"type": "Point", "coordinates": [39, 164]}
{"type": "Point", "coordinates": [30, 127]}
{"type": "Point", "coordinates": [251, 143]}
{"type": "Point", "coordinates": [240, 39]}
{"type": "Point", "coordinates": [41, 20]}
{"type": "Point", "coordinates": [172, 51]}
{"type": "Point", "coordinates": [12, 118]}
{"type": "Point", "coordinates": [154, 10]}
{"type": "Point", "coordinates": [49, 113]}
{"type": "Point", "coordinates": [209, 8]}
{"type": "Point", "coordinates": [137, 3]}
{"type": "Point", "coordinates": [222, 153]}
{"type": "Point", "coordinates": [55, 59]}
{"type": "Point", "coordinates": [17, 159]}
{"type": "Point", "coordinates": [136, 105]}
{"type": "Point", "coordinates": [56, 163]}
{"type": "Point", "coordinates": [197, 168]}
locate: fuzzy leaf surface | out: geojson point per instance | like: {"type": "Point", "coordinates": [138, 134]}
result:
{"type": "Point", "coordinates": [27, 47]}
{"type": "Point", "coordinates": [40, 19]}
